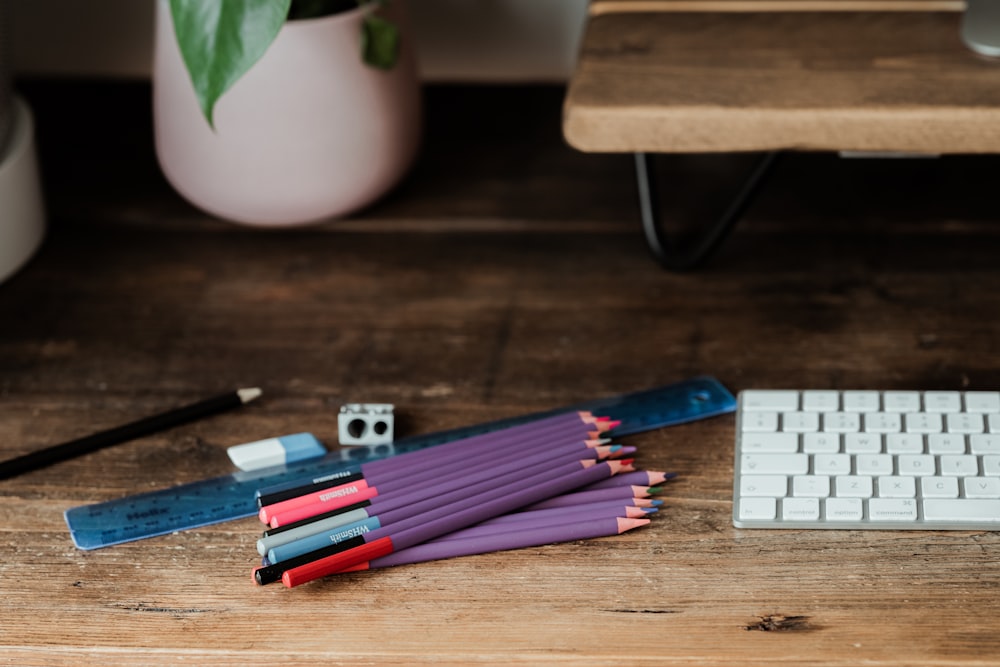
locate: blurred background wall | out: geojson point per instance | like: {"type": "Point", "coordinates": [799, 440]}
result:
{"type": "Point", "coordinates": [457, 40]}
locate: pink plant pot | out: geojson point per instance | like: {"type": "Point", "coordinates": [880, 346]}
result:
{"type": "Point", "coordinates": [309, 133]}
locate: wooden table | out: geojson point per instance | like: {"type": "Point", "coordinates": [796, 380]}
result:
{"type": "Point", "coordinates": [505, 276]}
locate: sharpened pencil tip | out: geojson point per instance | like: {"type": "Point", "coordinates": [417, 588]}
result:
{"type": "Point", "coordinates": [248, 394]}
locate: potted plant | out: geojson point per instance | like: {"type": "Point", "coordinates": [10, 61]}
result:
{"type": "Point", "coordinates": [283, 112]}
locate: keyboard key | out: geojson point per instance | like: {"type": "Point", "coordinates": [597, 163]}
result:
{"type": "Point", "coordinates": [883, 422]}
{"type": "Point", "coordinates": [769, 400]}
{"type": "Point", "coordinates": [964, 422]}
{"type": "Point", "coordinates": [942, 401]}
{"type": "Point", "coordinates": [918, 464]}
{"type": "Point", "coordinates": [873, 464]}
{"type": "Point", "coordinates": [811, 486]}
{"type": "Point", "coordinates": [799, 422]}
{"type": "Point", "coordinates": [862, 443]}
{"type": "Point", "coordinates": [759, 421]}
{"type": "Point", "coordinates": [923, 422]}
{"type": "Point", "coordinates": [891, 509]}
{"type": "Point", "coordinates": [777, 443]}
{"type": "Point", "coordinates": [844, 509]}
{"type": "Point", "coordinates": [945, 443]}
{"type": "Point", "coordinates": [841, 422]}
{"type": "Point", "coordinates": [982, 401]}
{"type": "Point", "coordinates": [962, 510]}
{"type": "Point", "coordinates": [960, 466]}
{"type": "Point", "coordinates": [820, 401]}
{"type": "Point", "coordinates": [993, 423]}
{"type": "Point", "coordinates": [901, 401]}
{"type": "Point", "coordinates": [991, 465]}
{"type": "Point", "coordinates": [854, 486]}
{"type": "Point", "coordinates": [821, 443]}
{"type": "Point", "coordinates": [764, 486]}
{"type": "Point", "coordinates": [939, 487]}
{"type": "Point", "coordinates": [984, 444]}
{"type": "Point", "coordinates": [758, 509]}
{"type": "Point", "coordinates": [800, 509]}
{"type": "Point", "coordinates": [832, 464]}
{"type": "Point", "coordinates": [897, 487]}
{"type": "Point", "coordinates": [904, 443]}
{"type": "Point", "coordinates": [770, 464]}
{"type": "Point", "coordinates": [861, 401]}
{"type": "Point", "coordinates": [981, 487]}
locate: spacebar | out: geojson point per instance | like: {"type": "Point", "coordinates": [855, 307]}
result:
{"type": "Point", "coordinates": [961, 510]}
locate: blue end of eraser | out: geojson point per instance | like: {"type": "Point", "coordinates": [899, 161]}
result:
{"type": "Point", "coordinates": [301, 447]}
{"type": "Point", "coordinates": [276, 451]}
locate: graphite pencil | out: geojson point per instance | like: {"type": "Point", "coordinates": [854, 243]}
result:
{"type": "Point", "coordinates": [120, 434]}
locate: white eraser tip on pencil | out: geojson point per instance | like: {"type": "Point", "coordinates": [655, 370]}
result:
{"type": "Point", "coordinates": [276, 451]}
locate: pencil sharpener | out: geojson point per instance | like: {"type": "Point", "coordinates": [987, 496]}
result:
{"type": "Point", "coordinates": [366, 423]}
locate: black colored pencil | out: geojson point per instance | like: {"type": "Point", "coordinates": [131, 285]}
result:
{"type": "Point", "coordinates": [120, 434]}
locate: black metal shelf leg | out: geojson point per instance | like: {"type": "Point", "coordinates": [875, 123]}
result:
{"type": "Point", "coordinates": [670, 255]}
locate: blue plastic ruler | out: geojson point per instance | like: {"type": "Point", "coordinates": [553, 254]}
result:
{"type": "Point", "coordinates": [233, 496]}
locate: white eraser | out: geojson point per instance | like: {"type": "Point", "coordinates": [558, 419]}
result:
{"type": "Point", "coordinates": [276, 451]}
{"type": "Point", "coordinates": [366, 423]}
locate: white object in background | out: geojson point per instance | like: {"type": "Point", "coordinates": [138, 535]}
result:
{"type": "Point", "coordinates": [276, 451]}
{"type": "Point", "coordinates": [310, 132]}
{"type": "Point", "coordinates": [366, 423]}
{"type": "Point", "coordinates": [22, 216]}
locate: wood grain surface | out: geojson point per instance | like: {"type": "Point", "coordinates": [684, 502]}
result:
{"type": "Point", "coordinates": [711, 81]}
{"type": "Point", "coordinates": [508, 274]}
{"type": "Point", "coordinates": [615, 6]}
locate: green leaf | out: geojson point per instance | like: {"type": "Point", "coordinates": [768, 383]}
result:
{"type": "Point", "coordinates": [379, 42]}
{"type": "Point", "coordinates": [221, 39]}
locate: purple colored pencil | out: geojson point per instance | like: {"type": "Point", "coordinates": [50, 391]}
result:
{"type": "Point", "coordinates": [593, 496]}
{"type": "Point", "coordinates": [548, 518]}
{"type": "Point", "coordinates": [638, 478]}
{"type": "Point", "coordinates": [517, 517]}
{"type": "Point", "coordinates": [530, 537]}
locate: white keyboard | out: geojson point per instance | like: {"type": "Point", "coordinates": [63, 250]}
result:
{"type": "Point", "coordinates": [867, 459]}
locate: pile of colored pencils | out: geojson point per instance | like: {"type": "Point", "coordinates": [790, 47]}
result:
{"type": "Point", "coordinates": [552, 480]}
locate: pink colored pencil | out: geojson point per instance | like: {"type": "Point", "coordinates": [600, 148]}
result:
{"type": "Point", "coordinates": [596, 495]}
{"type": "Point", "coordinates": [638, 478]}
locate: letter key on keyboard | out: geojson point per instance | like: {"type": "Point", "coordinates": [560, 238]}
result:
{"type": "Point", "coordinates": [867, 460]}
